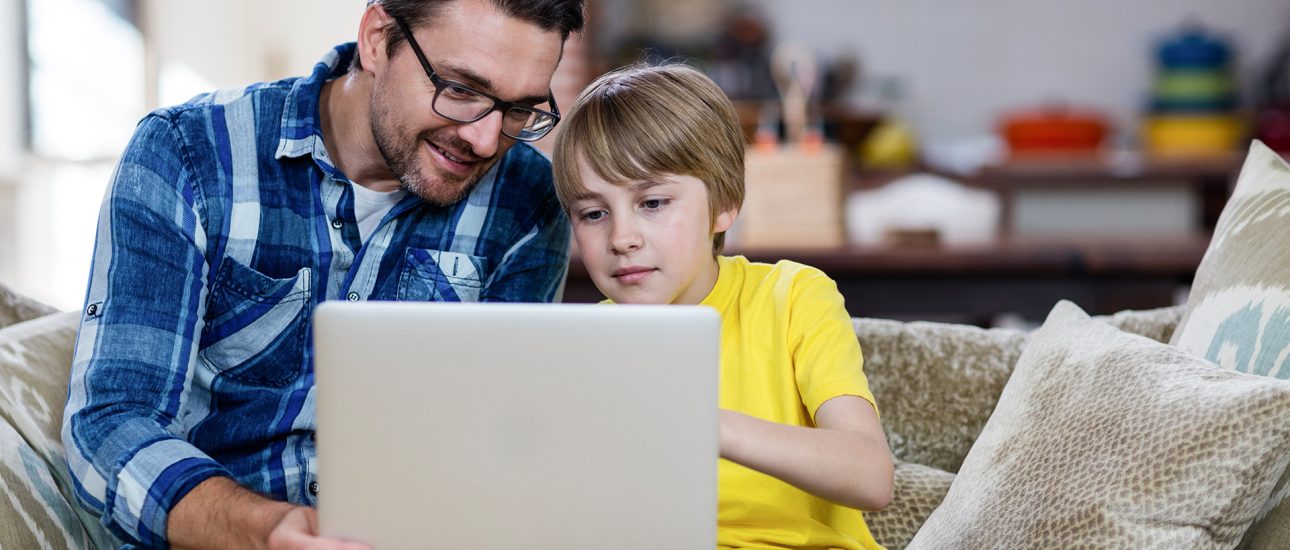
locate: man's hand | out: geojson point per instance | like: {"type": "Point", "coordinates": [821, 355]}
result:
{"type": "Point", "coordinates": [299, 529]}
{"type": "Point", "coordinates": [219, 513]}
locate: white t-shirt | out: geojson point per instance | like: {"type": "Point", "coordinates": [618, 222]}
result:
{"type": "Point", "coordinates": [371, 206]}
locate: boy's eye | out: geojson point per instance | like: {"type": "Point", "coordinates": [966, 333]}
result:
{"type": "Point", "coordinates": [654, 204]}
{"type": "Point", "coordinates": [593, 215]}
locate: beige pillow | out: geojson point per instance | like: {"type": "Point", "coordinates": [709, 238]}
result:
{"type": "Point", "coordinates": [1238, 314]}
{"type": "Point", "coordinates": [1110, 440]}
{"type": "Point", "coordinates": [37, 505]}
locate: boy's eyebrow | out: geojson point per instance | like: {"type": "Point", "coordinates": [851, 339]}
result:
{"type": "Point", "coordinates": [646, 184]}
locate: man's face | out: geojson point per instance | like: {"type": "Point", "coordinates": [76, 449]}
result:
{"type": "Point", "coordinates": [470, 42]}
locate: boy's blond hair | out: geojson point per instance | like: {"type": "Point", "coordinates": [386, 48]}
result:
{"type": "Point", "coordinates": [640, 122]}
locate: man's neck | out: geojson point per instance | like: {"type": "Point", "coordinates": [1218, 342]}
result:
{"type": "Point", "coordinates": [344, 111]}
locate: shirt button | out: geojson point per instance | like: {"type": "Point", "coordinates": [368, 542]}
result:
{"type": "Point", "coordinates": [337, 224]}
{"type": "Point", "coordinates": [313, 488]}
{"type": "Point", "coordinates": [353, 296]}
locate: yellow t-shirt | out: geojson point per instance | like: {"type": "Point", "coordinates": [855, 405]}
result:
{"type": "Point", "coordinates": [787, 346]}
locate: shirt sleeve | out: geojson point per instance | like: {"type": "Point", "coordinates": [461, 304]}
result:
{"type": "Point", "coordinates": [133, 371]}
{"type": "Point", "coordinates": [827, 360]}
{"type": "Point", "coordinates": [533, 269]}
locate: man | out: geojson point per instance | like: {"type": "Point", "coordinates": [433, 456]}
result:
{"type": "Point", "coordinates": [391, 173]}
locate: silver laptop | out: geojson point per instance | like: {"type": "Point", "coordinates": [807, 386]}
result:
{"type": "Point", "coordinates": [481, 426]}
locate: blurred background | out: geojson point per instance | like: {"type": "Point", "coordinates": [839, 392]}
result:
{"type": "Point", "coordinates": [950, 160]}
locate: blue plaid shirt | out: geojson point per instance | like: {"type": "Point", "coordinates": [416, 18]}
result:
{"type": "Point", "coordinates": [226, 223]}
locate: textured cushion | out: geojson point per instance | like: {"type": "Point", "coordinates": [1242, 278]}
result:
{"type": "Point", "coordinates": [37, 509]}
{"type": "Point", "coordinates": [918, 491]}
{"type": "Point", "coordinates": [1112, 440]}
{"type": "Point", "coordinates": [16, 308]}
{"type": "Point", "coordinates": [1239, 311]}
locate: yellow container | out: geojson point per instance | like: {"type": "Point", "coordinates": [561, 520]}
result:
{"type": "Point", "coordinates": [1193, 134]}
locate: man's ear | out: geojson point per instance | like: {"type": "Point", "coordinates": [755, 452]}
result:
{"type": "Point", "coordinates": [372, 38]}
{"type": "Point", "coordinates": [724, 220]}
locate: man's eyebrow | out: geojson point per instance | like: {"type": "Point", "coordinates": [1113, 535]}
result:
{"type": "Point", "coordinates": [476, 79]}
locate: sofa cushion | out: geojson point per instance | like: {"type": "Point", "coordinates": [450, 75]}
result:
{"type": "Point", "coordinates": [1238, 314]}
{"type": "Point", "coordinates": [37, 506]}
{"type": "Point", "coordinates": [1112, 440]}
{"type": "Point", "coordinates": [16, 308]}
{"type": "Point", "coordinates": [918, 491]}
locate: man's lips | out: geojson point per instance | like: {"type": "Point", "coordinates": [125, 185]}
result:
{"type": "Point", "coordinates": [632, 274]}
{"type": "Point", "coordinates": [455, 162]}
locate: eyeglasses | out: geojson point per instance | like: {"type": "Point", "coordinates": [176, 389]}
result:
{"type": "Point", "coordinates": [461, 103]}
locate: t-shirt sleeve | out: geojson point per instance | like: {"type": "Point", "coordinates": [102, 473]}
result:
{"type": "Point", "coordinates": [827, 360]}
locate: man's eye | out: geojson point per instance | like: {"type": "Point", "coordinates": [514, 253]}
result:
{"type": "Point", "coordinates": [458, 92]}
{"type": "Point", "coordinates": [517, 115]}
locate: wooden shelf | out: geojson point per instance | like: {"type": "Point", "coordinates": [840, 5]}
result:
{"type": "Point", "coordinates": [975, 283]}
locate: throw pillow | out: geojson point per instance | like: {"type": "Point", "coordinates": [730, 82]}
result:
{"type": "Point", "coordinates": [1111, 440]}
{"type": "Point", "coordinates": [37, 503]}
{"type": "Point", "coordinates": [1238, 314]}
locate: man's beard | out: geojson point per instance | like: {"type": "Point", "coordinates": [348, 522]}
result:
{"type": "Point", "coordinates": [405, 163]}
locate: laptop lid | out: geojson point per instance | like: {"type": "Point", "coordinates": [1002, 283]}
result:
{"type": "Point", "coordinates": [517, 425]}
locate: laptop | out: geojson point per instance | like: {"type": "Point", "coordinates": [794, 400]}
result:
{"type": "Point", "coordinates": [489, 426]}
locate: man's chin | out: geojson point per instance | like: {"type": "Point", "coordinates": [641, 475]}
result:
{"type": "Point", "coordinates": [442, 193]}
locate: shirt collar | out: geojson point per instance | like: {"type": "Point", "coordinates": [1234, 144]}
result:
{"type": "Point", "coordinates": [300, 133]}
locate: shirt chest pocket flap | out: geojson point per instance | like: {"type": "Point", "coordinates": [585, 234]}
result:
{"type": "Point", "coordinates": [441, 276]}
{"type": "Point", "coordinates": [257, 326]}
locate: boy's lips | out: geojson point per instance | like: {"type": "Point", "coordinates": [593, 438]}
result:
{"type": "Point", "coordinates": [632, 274]}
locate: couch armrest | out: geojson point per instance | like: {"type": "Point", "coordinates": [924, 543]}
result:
{"type": "Point", "coordinates": [1156, 324]}
{"type": "Point", "coordinates": [16, 308]}
{"type": "Point", "coordinates": [936, 384]}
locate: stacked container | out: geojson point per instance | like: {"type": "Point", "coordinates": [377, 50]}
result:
{"type": "Point", "coordinates": [1194, 104]}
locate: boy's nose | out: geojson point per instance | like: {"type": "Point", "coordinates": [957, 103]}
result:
{"type": "Point", "coordinates": [483, 135]}
{"type": "Point", "coordinates": [625, 237]}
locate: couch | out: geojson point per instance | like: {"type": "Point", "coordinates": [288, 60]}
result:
{"type": "Point", "coordinates": [1130, 430]}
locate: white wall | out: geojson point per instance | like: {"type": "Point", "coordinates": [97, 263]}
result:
{"type": "Point", "coordinates": [11, 97]}
{"type": "Point", "coordinates": [965, 61]}
{"type": "Point", "coordinates": [238, 42]}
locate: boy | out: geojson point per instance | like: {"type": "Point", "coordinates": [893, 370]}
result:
{"type": "Point", "coordinates": [649, 168]}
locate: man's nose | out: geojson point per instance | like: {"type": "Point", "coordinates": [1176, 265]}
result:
{"type": "Point", "coordinates": [484, 134]}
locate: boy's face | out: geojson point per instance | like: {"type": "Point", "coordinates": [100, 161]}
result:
{"type": "Point", "coordinates": [648, 242]}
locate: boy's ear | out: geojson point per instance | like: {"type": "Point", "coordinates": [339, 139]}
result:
{"type": "Point", "coordinates": [724, 220]}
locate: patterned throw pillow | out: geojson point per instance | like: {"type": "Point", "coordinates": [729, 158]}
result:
{"type": "Point", "coordinates": [1238, 314]}
{"type": "Point", "coordinates": [37, 506]}
{"type": "Point", "coordinates": [1111, 440]}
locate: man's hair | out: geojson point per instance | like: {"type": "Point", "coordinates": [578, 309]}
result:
{"type": "Point", "coordinates": [563, 16]}
{"type": "Point", "coordinates": [641, 122]}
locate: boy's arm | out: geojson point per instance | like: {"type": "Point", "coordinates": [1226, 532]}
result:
{"type": "Point", "coordinates": [845, 459]}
